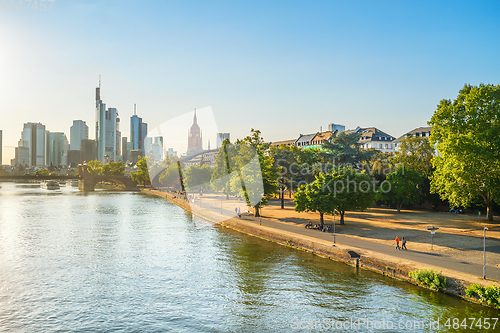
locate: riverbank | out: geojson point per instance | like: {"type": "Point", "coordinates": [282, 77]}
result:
{"type": "Point", "coordinates": [373, 255]}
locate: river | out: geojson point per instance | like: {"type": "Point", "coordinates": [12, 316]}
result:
{"type": "Point", "coordinates": [109, 261]}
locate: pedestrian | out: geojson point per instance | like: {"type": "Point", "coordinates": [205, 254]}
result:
{"type": "Point", "coordinates": [403, 244]}
{"type": "Point", "coordinates": [239, 213]}
{"type": "Point", "coordinates": [397, 243]}
{"type": "Point", "coordinates": [236, 211]}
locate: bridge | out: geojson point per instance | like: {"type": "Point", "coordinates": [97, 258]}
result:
{"type": "Point", "coordinates": [37, 177]}
{"type": "Point", "coordinates": [88, 181]}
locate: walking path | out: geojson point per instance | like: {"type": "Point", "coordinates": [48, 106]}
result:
{"type": "Point", "coordinates": [438, 257]}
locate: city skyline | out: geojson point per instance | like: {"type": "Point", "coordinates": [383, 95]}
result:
{"type": "Point", "coordinates": [283, 68]}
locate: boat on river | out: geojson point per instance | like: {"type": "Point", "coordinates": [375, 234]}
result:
{"type": "Point", "coordinates": [50, 185]}
{"type": "Point", "coordinates": [72, 183]}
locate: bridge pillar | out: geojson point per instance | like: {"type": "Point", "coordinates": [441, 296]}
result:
{"type": "Point", "coordinates": [86, 185]}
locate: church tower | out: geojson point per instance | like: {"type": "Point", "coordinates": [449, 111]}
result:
{"type": "Point", "coordinates": [195, 142]}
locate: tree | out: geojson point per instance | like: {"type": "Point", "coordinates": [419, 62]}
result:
{"type": "Point", "coordinates": [197, 177]}
{"type": "Point", "coordinates": [252, 187]}
{"type": "Point", "coordinates": [170, 176]}
{"type": "Point", "coordinates": [114, 169]}
{"type": "Point", "coordinates": [42, 172]}
{"type": "Point", "coordinates": [141, 176]}
{"type": "Point", "coordinates": [221, 174]}
{"type": "Point", "coordinates": [466, 134]}
{"type": "Point", "coordinates": [402, 187]}
{"type": "Point", "coordinates": [94, 167]}
{"type": "Point", "coordinates": [346, 149]}
{"type": "Point", "coordinates": [345, 189]}
{"type": "Point", "coordinates": [315, 197]}
{"type": "Point", "coordinates": [415, 153]}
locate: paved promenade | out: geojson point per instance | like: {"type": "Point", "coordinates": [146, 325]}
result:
{"type": "Point", "coordinates": [429, 258]}
{"type": "Point", "coordinates": [426, 258]}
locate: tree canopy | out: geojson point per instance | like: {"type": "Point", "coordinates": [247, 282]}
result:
{"type": "Point", "coordinates": [415, 153]}
{"type": "Point", "coordinates": [346, 149]}
{"type": "Point", "coordinates": [466, 134]}
{"type": "Point", "coordinates": [402, 187]}
{"type": "Point", "coordinates": [141, 175]}
{"type": "Point", "coordinates": [345, 189]}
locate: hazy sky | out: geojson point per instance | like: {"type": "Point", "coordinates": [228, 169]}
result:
{"type": "Point", "coordinates": [284, 67]}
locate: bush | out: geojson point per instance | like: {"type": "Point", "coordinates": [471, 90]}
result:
{"type": "Point", "coordinates": [489, 295]}
{"type": "Point", "coordinates": [430, 278]}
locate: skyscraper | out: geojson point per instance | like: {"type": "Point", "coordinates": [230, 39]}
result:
{"type": "Point", "coordinates": [78, 132]}
{"type": "Point", "coordinates": [195, 143]}
{"type": "Point", "coordinates": [56, 147]}
{"type": "Point", "coordinates": [33, 138]}
{"type": "Point", "coordinates": [105, 128]}
{"type": "Point", "coordinates": [220, 139]}
{"type": "Point", "coordinates": [124, 149]}
{"type": "Point", "coordinates": [138, 132]}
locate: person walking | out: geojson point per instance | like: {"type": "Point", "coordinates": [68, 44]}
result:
{"type": "Point", "coordinates": [403, 244]}
{"type": "Point", "coordinates": [397, 243]}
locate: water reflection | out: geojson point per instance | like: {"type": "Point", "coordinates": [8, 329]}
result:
{"type": "Point", "coordinates": [124, 261]}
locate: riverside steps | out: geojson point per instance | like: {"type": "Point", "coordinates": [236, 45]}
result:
{"type": "Point", "coordinates": [382, 258]}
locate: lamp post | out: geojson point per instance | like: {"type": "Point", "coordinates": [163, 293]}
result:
{"type": "Point", "coordinates": [433, 232]}
{"type": "Point", "coordinates": [334, 226]}
{"type": "Point", "coordinates": [484, 252]}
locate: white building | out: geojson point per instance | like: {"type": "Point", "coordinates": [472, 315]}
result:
{"type": "Point", "coordinates": [78, 132]}
{"type": "Point", "coordinates": [33, 138]}
{"type": "Point", "coordinates": [423, 132]}
{"type": "Point", "coordinates": [372, 137]}
{"type": "Point", "coordinates": [221, 137]}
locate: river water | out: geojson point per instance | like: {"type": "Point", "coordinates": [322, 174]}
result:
{"type": "Point", "coordinates": [126, 262]}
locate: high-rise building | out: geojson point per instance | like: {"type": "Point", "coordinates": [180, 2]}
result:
{"type": "Point", "coordinates": [144, 134]}
{"type": "Point", "coordinates": [33, 138]}
{"type": "Point", "coordinates": [105, 128]}
{"type": "Point", "coordinates": [332, 127]}
{"type": "Point", "coordinates": [124, 149]}
{"type": "Point", "coordinates": [171, 152]}
{"type": "Point", "coordinates": [22, 156]}
{"type": "Point", "coordinates": [156, 148]}
{"type": "Point", "coordinates": [195, 143]}
{"type": "Point", "coordinates": [118, 153]}
{"type": "Point", "coordinates": [56, 148]}
{"type": "Point", "coordinates": [220, 139]}
{"type": "Point", "coordinates": [138, 133]}
{"type": "Point", "coordinates": [78, 132]}
{"type": "Point", "coordinates": [88, 151]}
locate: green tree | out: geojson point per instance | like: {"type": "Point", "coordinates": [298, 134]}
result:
{"type": "Point", "coordinates": [246, 171]}
{"type": "Point", "coordinates": [402, 187]}
{"type": "Point", "coordinates": [197, 177]}
{"type": "Point", "coordinates": [415, 153]}
{"type": "Point", "coordinates": [466, 134]}
{"type": "Point", "coordinates": [221, 174]}
{"type": "Point", "coordinates": [170, 175]}
{"type": "Point", "coordinates": [346, 150]}
{"type": "Point", "coordinates": [141, 176]}
{"type": "Point", "coordinates": [94, 167]}
{"type": "Point", "coordinates": [42, 172]}
{"type": "Point", "coordinates": [114, 168]}
{"type": "Point", "coordinates": [345, 188]}
{"type": "Point", "coordinates": [316, 197]}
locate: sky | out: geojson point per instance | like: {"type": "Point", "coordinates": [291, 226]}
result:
{"type": "Point", "coordinates": [283, 67]}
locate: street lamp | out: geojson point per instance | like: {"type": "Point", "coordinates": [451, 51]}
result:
{"type": "Point", "coordinates": [433, 232]}
{"type": "Point", "coordinates": [334, 227]}
{"type": "Point", "coordinates": [484, 252]}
